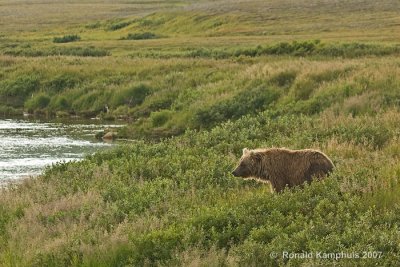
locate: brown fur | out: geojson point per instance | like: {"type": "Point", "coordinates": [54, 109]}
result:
{"type": "Point", "coordinates": [283, 167]}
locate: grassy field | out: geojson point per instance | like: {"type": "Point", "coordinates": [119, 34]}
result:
{"type": "Point", "coordinates": [198, 81]}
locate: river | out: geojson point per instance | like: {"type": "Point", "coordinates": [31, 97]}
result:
{"type": "Point", "coordinates": [28, 146]}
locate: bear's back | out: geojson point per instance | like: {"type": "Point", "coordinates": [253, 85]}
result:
{"type": "Point", "coordinates": [294, 167]}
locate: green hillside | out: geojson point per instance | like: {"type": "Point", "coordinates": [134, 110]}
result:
{"type": "Point", "coordinates": [197, 81]}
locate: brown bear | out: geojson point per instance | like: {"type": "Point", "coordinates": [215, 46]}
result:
{"type": "Point", "coordinates": [283, 167]}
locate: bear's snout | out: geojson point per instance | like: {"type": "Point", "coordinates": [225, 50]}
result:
{"type": "Point", "coordinates": [234, 173]}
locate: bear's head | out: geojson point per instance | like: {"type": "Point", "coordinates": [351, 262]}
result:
{"type": "Point", "coordinates": [248, 164]}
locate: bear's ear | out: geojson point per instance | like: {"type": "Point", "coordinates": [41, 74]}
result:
{"type": "Point", "coordinates": [245, 151]}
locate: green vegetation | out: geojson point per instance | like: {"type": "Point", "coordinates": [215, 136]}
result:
{"type": "Point", "coordinates": [140, 36]}
{"type": "Point", "coordinates": [231, 74]}
{"type": "Point", "coordinates": [175, 203]}
{"type": "Point", "coordinates": [199, 93]}
{"type": "Point", "coordinates": [118, 25]}
{"type": "Point", "coordinates": [89, 51]}
{"type": "Point", "coordinates": [39, 101]}
{"type": "Point", "coordinates": [66, 38]}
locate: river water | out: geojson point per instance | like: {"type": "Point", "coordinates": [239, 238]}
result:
{"type": "Point", "coordinates": [27, 146]}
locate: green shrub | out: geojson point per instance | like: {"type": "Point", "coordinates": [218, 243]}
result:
{"type": "Point", "coordinates": [93, 25]}
{"type": "Point", "coordinates": [284, 48]}
{"type": "Point", "coordinates": [132, 96]}
{"type": "Point", "coordinates": [246, 102]}
{"type": "Point", "coordinates": [308, 106]}
{"type": "Point", "coordinates": [284, 78]}
{"type": "Point", "coordinates": [80, 51]}
{"type": "Point", "coordinates": [22, 86]}
{"type": "Point", "coordinates": [66, 39]}
{"type": "Point", "coordinates": [141, 36]}
{"type": "Point", "coordinates": [38, 101]}
{"type": "Point", "coordinates": [364, 134]}
{"type": "Point", "coordinates": [304, 88]}
{"type": "Point", "coordinates": [10, 111]}
{"type": "Point", "coordinates": [91, 103]}
{"type": "Point", "coordinates": [162, 102]}
{"type": "Point", "coordinates": [351, 50]}
{"type": "Point", "coordinates": [62, 81]}
{"type": "Point", "coordinates": [59, 103]}
{"type": "Point", "coordinates": [145, 22]}
{"type": "Point", "coordinates": [156, 246]}
{"type": "Point", "coordinates": [328, 75]}
{"type": "Point", "coordinates": [159, 118]}
{"type": "Point", "coordinates": [119, 25]}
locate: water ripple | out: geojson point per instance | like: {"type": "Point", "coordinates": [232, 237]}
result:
{"type": "Point", "coordinates": [27, 147]}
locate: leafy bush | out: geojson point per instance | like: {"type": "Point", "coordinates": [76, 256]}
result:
{"type": "Point", "coordinates": [9, 111]}
{"type": "Point", "coordinates": [66, 39]}
{"type": "Point", "coordinates": [156, 247]}
{"type": "Point", "coordinates": [213, 53]}
{"type": "Point", "coordinates": [60, 103]}
{"type": "Point", "coordinates": [91, 103]}
{"type": "Point", "coordinates": [295, 48]}
{"type": "Point", "coordinates": [131, 96]}
{"type": "Point", "coordinates": [246, 102]}
{"type": "Point", "coordinates": [119, 25]}
{"type": "Point", "coordinates": [284, 79]}
{"type": "Point", "coordinates": [38, 101]}
{"type": "Point", "coordinates": [80, 51]}
{"type": "Point", "coordinates": [159, 118]}
{"type": "Point", "coordinates": [367, 134]}
{"type": "Point", "coordinates": [62, 81]}
{"type": "Point", "coordinates": [141, 36]}
{"type": "Point", "coordinates": [14, 91]}
{"type": "Point", "coordinates": [350, 50]}
{"type": "Point", "coordinates": [145, 22]}
{"type": "Point", "coordinates": [23, 85]}
{"type": "Point", "coordinates": [303, 89]}
{"type": "Point", "coordinates": [158, 101]}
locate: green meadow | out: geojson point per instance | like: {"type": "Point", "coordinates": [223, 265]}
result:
{"type": "Point", "coordinates": [196, 82]}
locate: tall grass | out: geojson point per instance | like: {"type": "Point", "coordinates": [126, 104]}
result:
{"type": "Point", "coordinates": [193, 97]}
{"type": "Point", "coordinates": [59, 51]}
